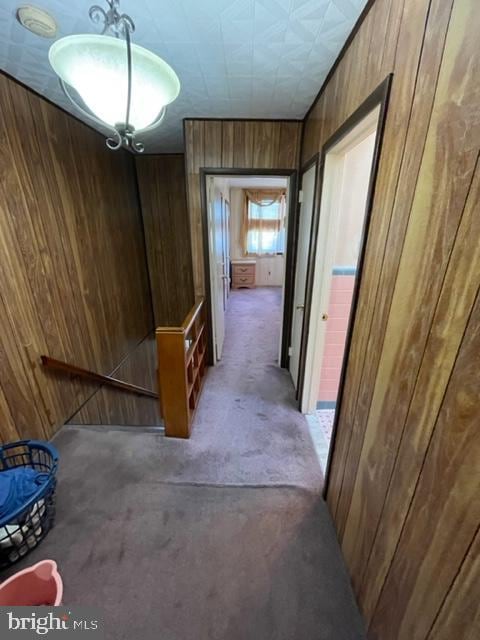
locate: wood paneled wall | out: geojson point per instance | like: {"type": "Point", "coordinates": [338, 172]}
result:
{"type": "Point", "coordinates": [113, 407]}
{"type": "Point", "coordinates": [232, 144]}
{"type": "Point", "coordinates": [161, 181]}
{"type": "Point", "coordinates": [73, 270]}
{"type": "Point", "coordinates": [404, 487]}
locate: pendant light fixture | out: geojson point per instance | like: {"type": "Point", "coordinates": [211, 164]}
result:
{"type": "Point", "coordinates": [122, 86]}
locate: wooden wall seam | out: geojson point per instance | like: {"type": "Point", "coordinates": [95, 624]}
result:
{"type": "Point", "coordinates": [366, 578]}
{"type": "Point", "coordinates": [162, 189]}
{"type": "Point", "coordinates": [73, 265]}
{"type": "Point", "coordinates": [367, 332]}
{"type": "Point", "coordinates": [459, 615]}
{"type": "Point", "coordinates": [427, 449]}
{"type": "Point", "coordinates": [416, 316]}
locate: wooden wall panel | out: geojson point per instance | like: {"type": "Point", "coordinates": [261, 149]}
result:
{"type": "Point", "coordinates": [460, 614]}
{"type": "Point", "coordinates": [161, 181]}
{"type": "Point", "coordinates": [406, 422]}
{"type": "Point", "coordinates": [445, 510]}
{"type": "Point", "coordinates": [232, 144]}
{"type": "Point", "coordinates": [72, 260]}
{"type": "Point", "coordinates": [442, 186]}
{"type": "Point", "coordinates": [114, 407]}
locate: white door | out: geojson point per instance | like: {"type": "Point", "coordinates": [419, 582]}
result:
{"type": "Point", "coordinates": [303, 244]}
{"type": "Point", "coordinates": [217, 265]}
{"type": "Point", "coordinates": [226, 251]}
{"type": "Point", "coordinates": [346, 178]}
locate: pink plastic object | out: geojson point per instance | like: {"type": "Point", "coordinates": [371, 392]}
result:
{"type": "Point", "coordinates": [38, 585]}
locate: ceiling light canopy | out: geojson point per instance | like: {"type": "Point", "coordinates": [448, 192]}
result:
{"type": "Point", "coordinates": [37, 21]}
{"type": "Point", "coordinates": [122, 85]}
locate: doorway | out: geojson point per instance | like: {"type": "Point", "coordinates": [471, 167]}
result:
{"type": "Point", "coordinates": [349, 164]}
{"type": "Point", "coordinates": [307, 194]}
{"type": "Point", "coordinates": [248, 238]}
{"type": "Point", "coordinates": [219, 249]}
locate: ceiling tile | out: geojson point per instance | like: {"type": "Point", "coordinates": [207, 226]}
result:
{"type": "Point", "coordinates": [234, 58]}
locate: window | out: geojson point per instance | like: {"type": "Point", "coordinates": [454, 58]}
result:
{"type": "Point", "coordinates": [264, 228]}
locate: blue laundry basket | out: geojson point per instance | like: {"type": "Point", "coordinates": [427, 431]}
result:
{"type": "Point", "coordinates": [25, 527]}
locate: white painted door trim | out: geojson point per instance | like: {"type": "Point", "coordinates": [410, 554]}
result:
{"type": "Point", "coordinates": [328, 230]}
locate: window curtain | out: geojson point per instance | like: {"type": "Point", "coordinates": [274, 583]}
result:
{"type": "Point", "coordinates": [264, 222]}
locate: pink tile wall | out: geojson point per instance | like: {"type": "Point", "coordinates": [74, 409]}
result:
{"type": "Point", "coordinates": [338, 314]}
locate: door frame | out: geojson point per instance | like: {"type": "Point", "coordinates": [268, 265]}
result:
{"type": "Point", "coordinates": [326, 238]}
{"type": "Point", "coordinates": [211, 248]}
{"type": "Point", "coordinates": [378, 98]}
{"type": "Point", "coordinates": [314, 160]}
{"type": "Point", "coordinates": [292, 222]}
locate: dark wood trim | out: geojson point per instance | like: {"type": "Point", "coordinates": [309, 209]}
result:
{"type": "Point", "coordinates": [313, 234]}
{"type": "Point", "coordinates": [338, 59]}
{"type": "Point", "coordinates": [379, 97]}
{"type": "Point", "coordinates": [206, 265]}
{"type": "Point", "coordinates": [290, 260]}
{"type": "Point", "coordinates": [248, 172]}
{"type": "Point", "coordinates": [154, 154]}
{"type": "Point", "coordinates": [98, 378]}
{"type": "Point", "coordinates": [308, 164]}
{"type": "Point", "coordinates": [297, 120]}
{"type": "Point", "coordinates": [312, 254]}
{"type": "Point", "coordinates": [78, 119]}
{"type": "Point", "coordinates": [161, 153]}
{"type": "Point", "coordinates": [54, 104]}
{"type": "Point", "coordinates": [302, 144]}
{"type": "Point", "coordinates": [292, 224]}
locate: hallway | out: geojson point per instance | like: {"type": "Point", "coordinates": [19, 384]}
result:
{"type": "Point", "coordinates": [247, 429]}
{"type": "Point", "coordinates": [252, 121]}
{"type": "Point", "coordinates": [247, 420]}
{"type": "Point", "coordinates": [223, 536]}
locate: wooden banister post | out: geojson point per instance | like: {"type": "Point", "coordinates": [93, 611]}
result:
{"type": "Point", "coordinates": [181, 370]}
{"type": "Point", "coordinates": [172, 383]}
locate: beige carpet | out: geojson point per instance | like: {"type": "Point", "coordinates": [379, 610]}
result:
{"type": "Point", "coordinates": [247, 430]}
{"type": "Point", "coordinates": [222, 537]}
{"type": "Point", "coordinates": [173, 562]}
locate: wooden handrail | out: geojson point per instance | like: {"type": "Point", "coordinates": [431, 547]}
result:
{"type": "Point", "coordinates": [187, 323]}
{"type": "Point", "coordinates": [58, 365]}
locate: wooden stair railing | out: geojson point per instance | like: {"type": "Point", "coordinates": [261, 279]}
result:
{"type": "Point", "coordinates": [58, 365]}
{"type": "Point", "coordinates": [181, 370]}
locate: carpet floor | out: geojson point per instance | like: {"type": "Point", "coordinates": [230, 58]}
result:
{"type": "Point", "coordinates": [222, 537]}
{"type": "Point", "coordinates": [175, 562]}
{"type": "Point", "coordinates": [247, 429]}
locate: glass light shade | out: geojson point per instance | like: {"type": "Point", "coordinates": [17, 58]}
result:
{"type": "Point", "coordinates": [96, 67]}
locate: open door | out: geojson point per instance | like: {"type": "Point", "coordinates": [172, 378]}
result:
{"type": "Point", "coordinates": [226, 250]}
{"type": "Point", "coordinates": [219, 266]}
{"type": "Point", "coordinates": [346, 179]}
{"type": "Point", "coordinates": [304, 233]}
{"type": "Point", "coordinates": [349, 161]}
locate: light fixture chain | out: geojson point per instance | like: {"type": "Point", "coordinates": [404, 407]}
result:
{"type": "Point", "coordinates": [112, 19]}
{"type": "Point", "coordinates": [121, 26]}
{"type": "Point", "coordinates": [129, 76]}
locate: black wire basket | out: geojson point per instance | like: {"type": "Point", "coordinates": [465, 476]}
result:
{"type": "Point", "coordinates": [23, 529]}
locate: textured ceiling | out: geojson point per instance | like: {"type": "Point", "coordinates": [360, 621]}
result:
{"type": "Point", "coordinates": [234, 58]}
